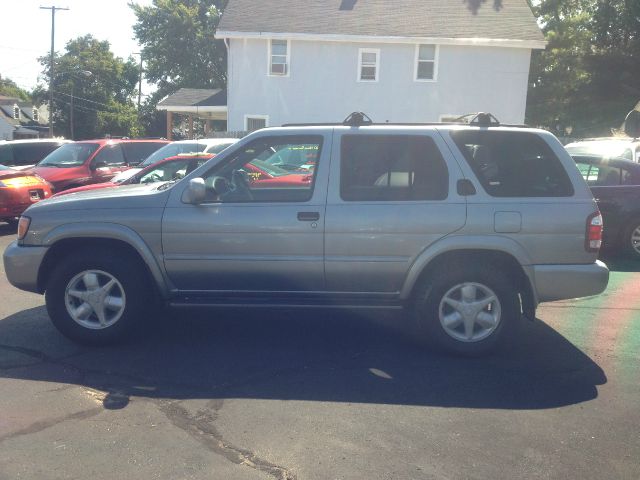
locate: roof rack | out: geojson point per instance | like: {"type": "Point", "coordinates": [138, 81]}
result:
{"type": "Point", "coordinates": [356, 119]}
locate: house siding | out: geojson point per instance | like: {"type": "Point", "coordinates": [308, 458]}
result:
{"type": "Point", "coordinates": [323, 87]}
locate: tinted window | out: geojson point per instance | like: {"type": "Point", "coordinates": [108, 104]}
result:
{"type": "Point", "coordinates": [600, 175]}
{"type": "Point", "coordinates": [6, 155]}
{"type": "Point", "coordinates": [32, 153]}
{"type": "Point", "coordinates": [111, 155]}
{"type": "Point", "coordinates": [513, 164]}
{"type": "Point", "coordinates": [136, 152]}
{"type": "Point", "coordinates": [249, 177]}
{"type": "Point", "coordinates": [392, 167]}
{"type": "Point", "coordinates": [218, 148]}
{"type": "Point", "coordinates": [70, 155]}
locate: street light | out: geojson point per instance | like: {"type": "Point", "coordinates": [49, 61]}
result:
{"type": "Point", "coordinates": [86, 74]}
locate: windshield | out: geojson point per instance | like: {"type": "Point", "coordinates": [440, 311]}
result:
{"type": "Point", "coordinates": [70, 155]}
{"type": "Point", "coordinates": [172, 150]}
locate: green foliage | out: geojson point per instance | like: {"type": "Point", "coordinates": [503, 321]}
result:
{"type": "Point", "coordinates": [8, 88]}
{"type": "Point", "coordinates": [587, 78]}
{"type": "Point", "coordinates": [179, 50]}
{"type": "Point", "coordinates": [178, 43]}
{"type": "Point", "coordinates": [100, 86]}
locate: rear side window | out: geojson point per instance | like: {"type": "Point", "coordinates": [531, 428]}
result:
{"type": "Point", "coordinates": [111, 155]}
{"type": "Point", "coordinates": [513, 164]}
{"type": "Point", "coordinates": [135, 153]}
{"type": "Point", "coordinates": [392, 167]}
{"type": "Point", "coordinates": [30, 154]}
{"type": "Point", "coordinates": [600, 175]}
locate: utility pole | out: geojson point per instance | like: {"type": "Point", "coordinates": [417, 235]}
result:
{"type": "Point", "coordinates": [53, 29]}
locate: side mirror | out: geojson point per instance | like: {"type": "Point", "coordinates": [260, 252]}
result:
{"type": "Point", "coordinates": [196, 192]}
{"type": "Point", "coordinates": [632, 124]}
{"type": "Point", "coordinates": [99, 164]}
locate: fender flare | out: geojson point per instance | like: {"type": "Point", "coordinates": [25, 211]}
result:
{"type": "Point", "coordinates": [112, 231]}
{"type": "Point", "coordinates": [451, 243]}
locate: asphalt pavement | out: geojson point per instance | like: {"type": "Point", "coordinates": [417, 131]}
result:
{"type": "Point", "coordinates": [282, 394]}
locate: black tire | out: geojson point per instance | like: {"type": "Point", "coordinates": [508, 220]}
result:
{"type": "Point", "coordinates": [134, 281]}
{"type": "Point", "coordinates": [627, 239]}
{"type": "Point", "coordinates": [430, 294]}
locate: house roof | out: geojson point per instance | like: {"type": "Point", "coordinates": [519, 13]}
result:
{"type": "Point", "coordinates": [434, 19]}
{"type": "Point", "coordinates": [195, 97]}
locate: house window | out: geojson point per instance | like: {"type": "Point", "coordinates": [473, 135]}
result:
{"type": "Point", "coordinates": [368, 64]}
{"type": "Point", "coordinates": [16, 112]}
{"type": "Point", "coordinates": [279, 57]}
{"type": "Point", "coordinates": [426, 56]}
{"type": "Point", "coordinates": [255, 122]}
{"type": "Point", "coordinates": [35, 114]}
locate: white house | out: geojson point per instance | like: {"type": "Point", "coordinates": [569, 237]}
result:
{"type": "Point", "coordinates": [396, 60]}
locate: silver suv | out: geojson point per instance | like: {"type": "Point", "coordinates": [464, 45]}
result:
{"type": "Point", "coordinates": [465, 227]}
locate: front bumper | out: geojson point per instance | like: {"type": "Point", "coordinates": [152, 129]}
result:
{"type": "Point", "coordinates": [21, 265]}
{"type": "Point", "coordinates": [560, 282]}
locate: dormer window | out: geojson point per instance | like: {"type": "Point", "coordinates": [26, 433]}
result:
{"type": "Point", "coordinates": [16, 112]}
{"type": "Point", "coordinates": [279, 58]}
{"type": "Point", "coordinates": [35, 114]}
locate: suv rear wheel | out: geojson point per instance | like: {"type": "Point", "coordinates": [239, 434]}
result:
{"type": "Point", "coordinates": [467, 310]}
{"type": "Point", "coordinates": [98, 298]}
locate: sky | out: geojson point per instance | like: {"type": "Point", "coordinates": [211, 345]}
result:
{"type": "Point", "coordinates": [26, 32]}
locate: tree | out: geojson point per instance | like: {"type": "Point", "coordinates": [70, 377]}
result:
{"type": "Point", "coordinates": [94, 88]}
{"type": "Point", "coordinates": [586, 78]}
{"type": "Point", "coordinates": [9, 88]}
{"type": "Point", "coordinates": [178, 45]}
{"type": "Point", "coordinates": [179, 49]}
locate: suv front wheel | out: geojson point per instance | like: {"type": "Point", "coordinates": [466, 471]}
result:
{"type": "Point", "coordinates": [467, 310]}
{"type": "Point", "coordinates": [97, 297]}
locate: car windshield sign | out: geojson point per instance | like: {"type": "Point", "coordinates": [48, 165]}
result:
{"type": "Point", "coordinates": [69, 155]}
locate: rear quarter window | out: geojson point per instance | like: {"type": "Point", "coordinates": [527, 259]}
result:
{"type": "Point", "coordinates": [513, 164]}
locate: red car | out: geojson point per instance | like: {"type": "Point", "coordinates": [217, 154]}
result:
{"type": "Point", "coordinates": [165, 170]}
{"type": "Point", "coordinates": [259, 174]}
{"type": "Point", "coordinates": [18, 191]}
{"type": "Point", "coordinates": [92, 161]}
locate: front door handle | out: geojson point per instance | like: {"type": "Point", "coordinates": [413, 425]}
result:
{"type": "Point", "coordinates": [308, 216]}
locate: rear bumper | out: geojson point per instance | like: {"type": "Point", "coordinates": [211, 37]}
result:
{"type": "Point", "coordinates": [560, 282]}
{"type": "Point", "coordinates": [21, 265]}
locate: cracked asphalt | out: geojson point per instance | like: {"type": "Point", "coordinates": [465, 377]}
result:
{"type": "Point", "coordinates": [252, 394]}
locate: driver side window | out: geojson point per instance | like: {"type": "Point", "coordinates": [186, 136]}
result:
{"type": "Point", "coordinates": [273, 169]}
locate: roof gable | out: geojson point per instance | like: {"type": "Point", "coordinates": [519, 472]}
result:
{"type": "Point", "coordinates": [468, 19]}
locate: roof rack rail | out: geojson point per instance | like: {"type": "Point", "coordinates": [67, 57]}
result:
{"type": "Point", "coordinates": [480, 119]}
{"type": "Point", "coordinates": [356, 119]}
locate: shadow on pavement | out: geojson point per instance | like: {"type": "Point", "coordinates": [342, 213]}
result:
{"type": "Point", "coordinates": [621, 263]}
{"type": "Point", "coordinates": [296, 355]}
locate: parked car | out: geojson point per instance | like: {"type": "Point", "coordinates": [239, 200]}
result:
{"type": "Point", "coordinates": [467, 228]}
{"type": "Point", "coordinates": [607, 147]}
{"type": "Point", "coordinates": [93, 161]}
{"type": "Point", "coordinates": [206, 145]}
{"type": "Point", "coordinates": [18, 191]}
{"type": "Point", "coordinates": [615, 183]}
{"type": "Point", "coordinates": [258, 173]}
{"type": "Point", "coordinates": [23, 154]}
{"type": "Point", "coordinates": [172, 168]}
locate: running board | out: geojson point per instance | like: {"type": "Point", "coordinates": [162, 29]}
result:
{"type": "Point", "coordinates": [284, 301]}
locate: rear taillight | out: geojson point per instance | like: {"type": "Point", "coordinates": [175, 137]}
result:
{"type": "Point", "coordinates": [593, 237]}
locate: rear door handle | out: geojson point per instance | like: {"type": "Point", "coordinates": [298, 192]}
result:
{"type": "Point", "coordinates": [308, 216]}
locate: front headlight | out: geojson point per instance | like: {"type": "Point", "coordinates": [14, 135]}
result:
{"type": "Point", "coordinates": [23, 226]}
